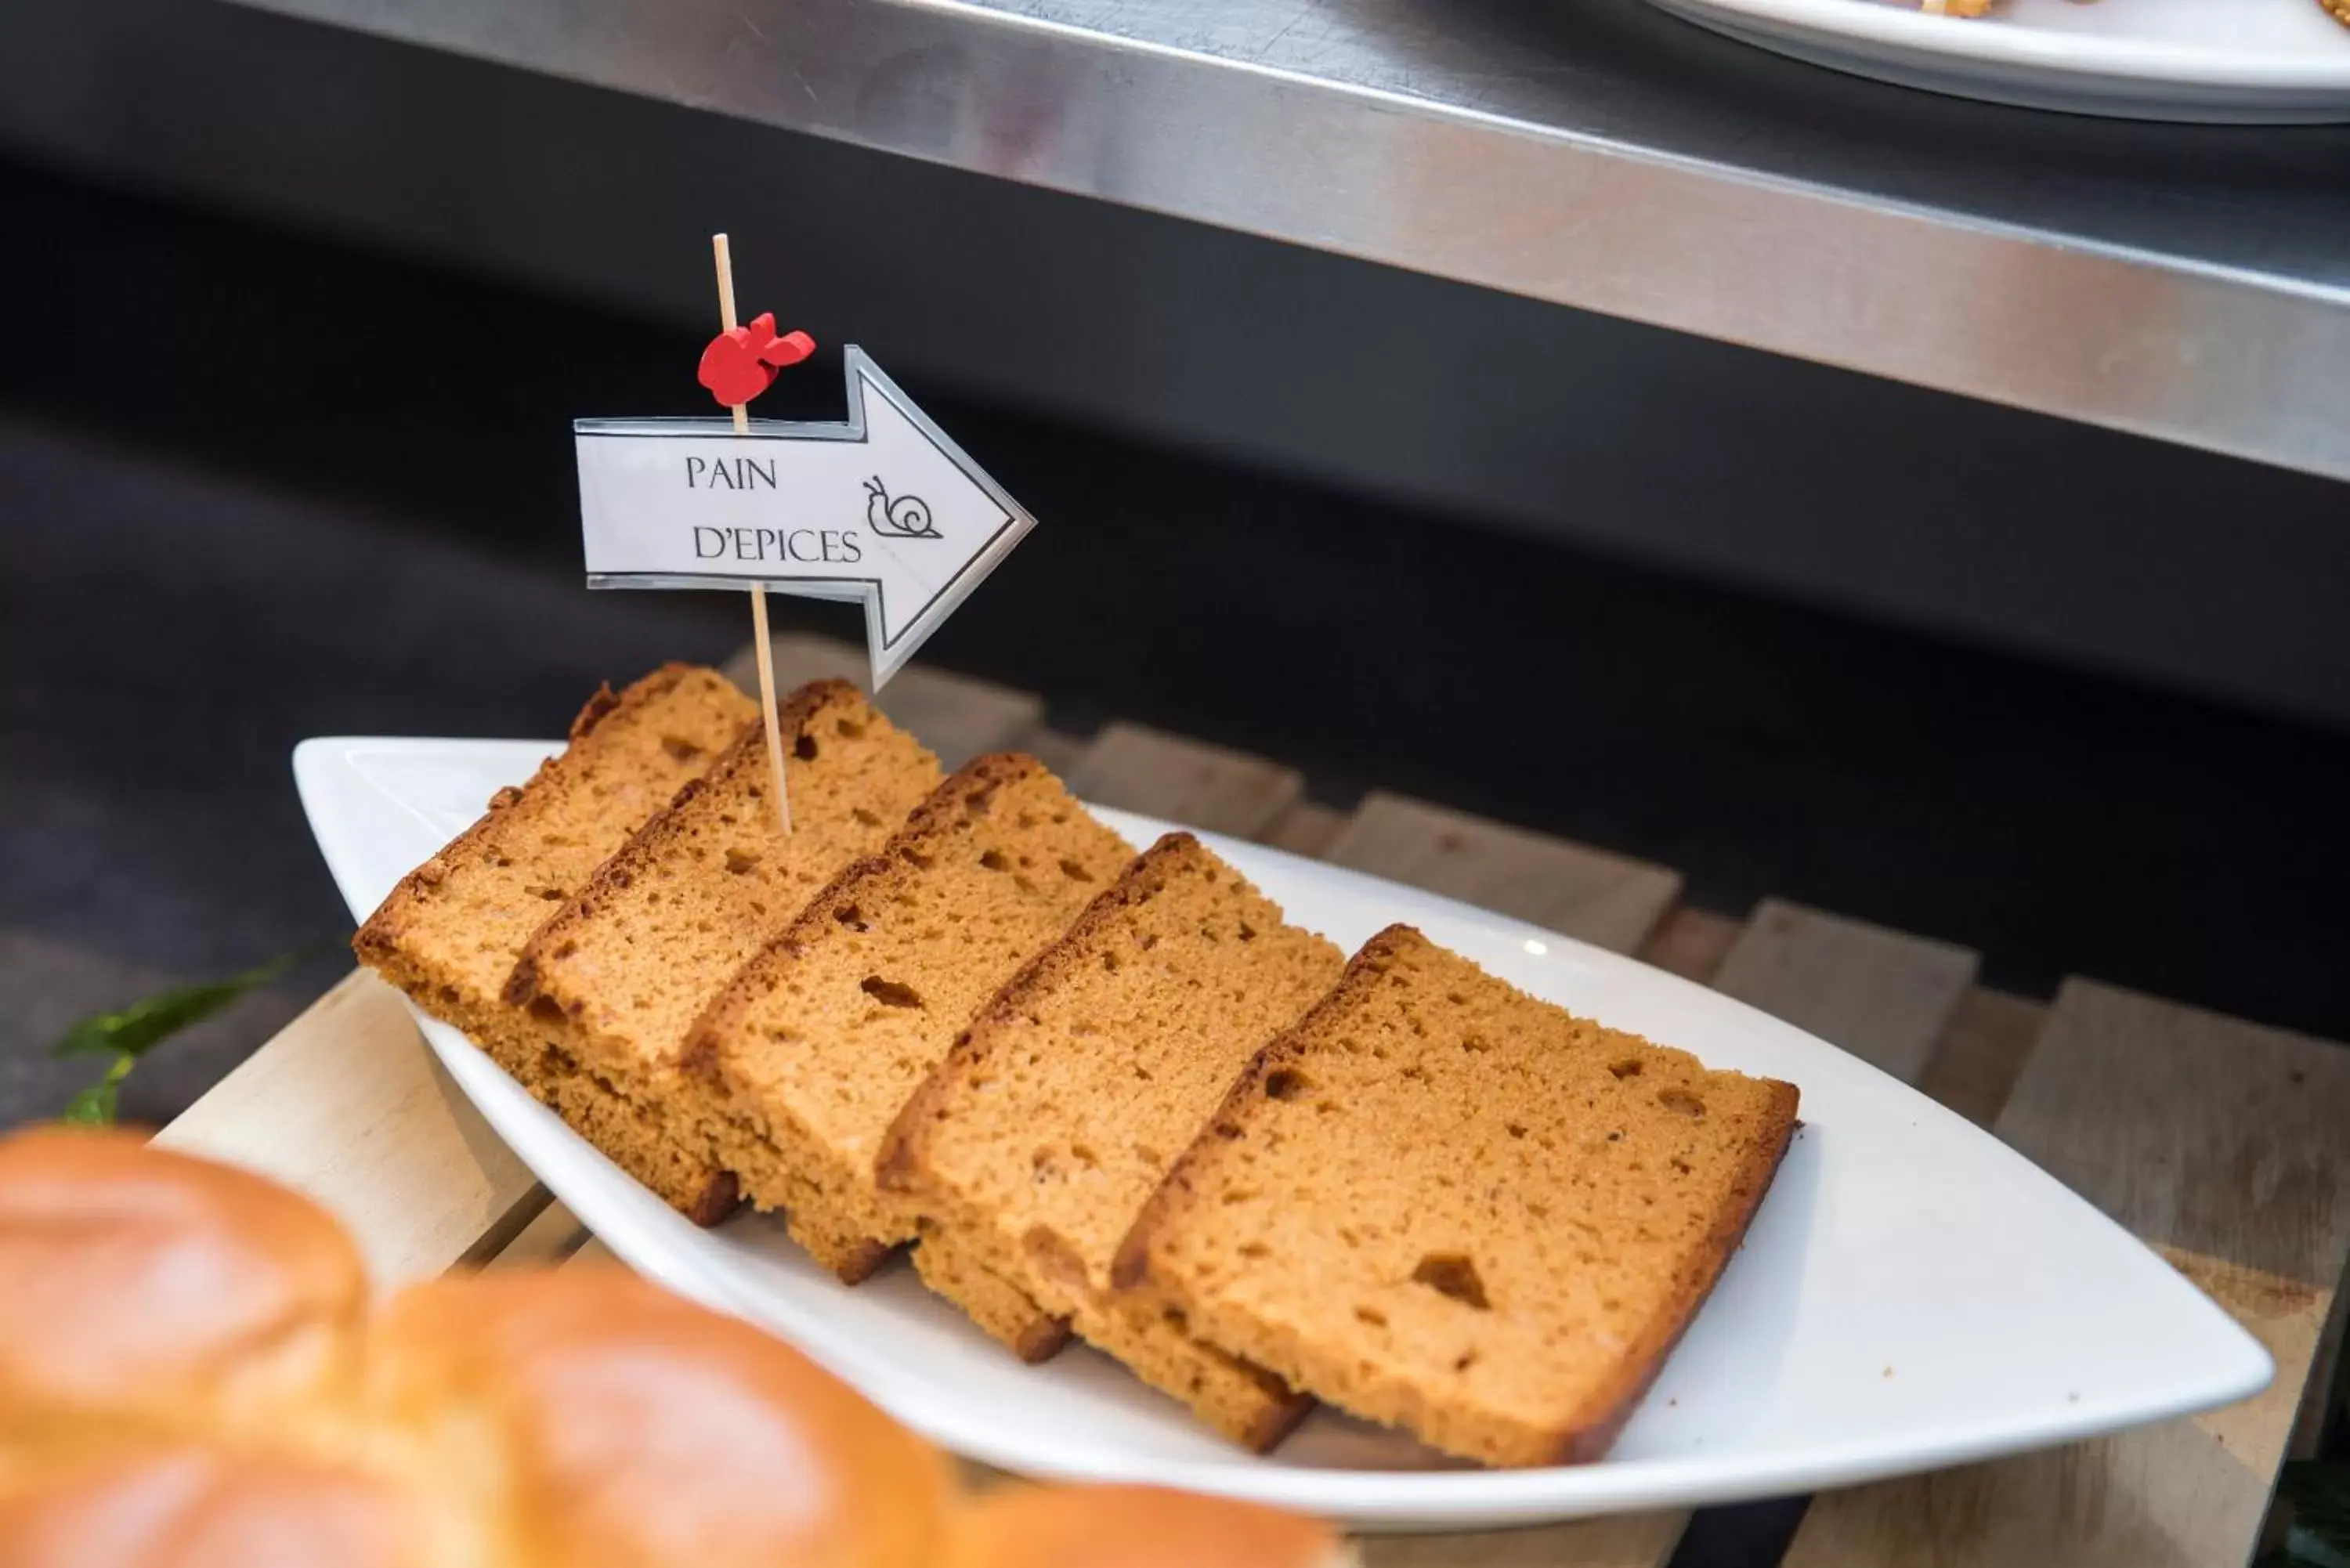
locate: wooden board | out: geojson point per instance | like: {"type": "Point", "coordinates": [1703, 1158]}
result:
{"type": "Point", "coordinates": [1055, 749]}
{"type": "Point", "coordinates": [2324, 1369]}
{"type": "Point", "coordinates": [1882, 995]}
{"type": "Point", "coordinates": [2220, 1142]}
{"type": "Point", "coordinates": [1307, 829]}
{"type": "Point", "coordinates": [348, 1104]}
{"type": "Point", "coordinates": [1139, 769]}
{"type": "Point", "coordinates": [554, 1235]}
{"type": "Point", "coordinates": [1983, 1053]}
{"type": "Point", "coordinates": [1692, 943]}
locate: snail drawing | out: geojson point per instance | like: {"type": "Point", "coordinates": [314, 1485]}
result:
{"type": "Point", "coordinates": [908, 517]}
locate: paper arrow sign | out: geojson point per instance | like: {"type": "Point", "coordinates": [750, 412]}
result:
{"type": "Point", "coordinates": [883, 508]}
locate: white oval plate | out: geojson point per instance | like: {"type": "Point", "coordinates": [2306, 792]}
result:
{"type": "Point", "coordinates": [1912, 1293]}
{"type": "Point", "coordinates": [2242, 61]}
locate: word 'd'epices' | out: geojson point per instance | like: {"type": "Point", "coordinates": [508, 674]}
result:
{"type": "Point", "coordinates": [826, 544]}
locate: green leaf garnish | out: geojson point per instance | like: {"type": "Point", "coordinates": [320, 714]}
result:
{"type": "Point", "coordinates": [94, 1107]}
{"type": "Point", "coordinates": [131, 1032]}
{"type": "Point", "coordinates": [136, 1028]}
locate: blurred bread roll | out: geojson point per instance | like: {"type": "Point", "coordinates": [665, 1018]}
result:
{"type": "Point", "coordinates": [194, 1505]}
{"type": "Point", "coordinates": [190, 1377]}
{"type": "Point", "coordinates": [596, 1421]}
{"type": "Point", "coordinates": [153, 1292]}
{"type": "Point", "coordinates": [1135, 1527]}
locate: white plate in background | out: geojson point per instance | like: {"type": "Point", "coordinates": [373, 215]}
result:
{"type": "Point", "coordinates": [2255, 61]}
{"type": "Point", "coordinates": [1912, 1294]}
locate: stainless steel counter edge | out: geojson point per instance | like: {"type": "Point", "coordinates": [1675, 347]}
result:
{"type": "Point", "coordinates": [2234, 361]}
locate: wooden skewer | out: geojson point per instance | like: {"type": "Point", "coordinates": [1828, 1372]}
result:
{"type": "Point", "coordinates": [725, 262]}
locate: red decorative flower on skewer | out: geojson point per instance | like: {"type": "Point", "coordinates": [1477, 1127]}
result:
{"type": "Point", "coordinates": [742, 363]}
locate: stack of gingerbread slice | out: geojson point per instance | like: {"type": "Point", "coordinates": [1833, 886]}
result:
{"type": "Point", "coordinates": [1102, 1093]}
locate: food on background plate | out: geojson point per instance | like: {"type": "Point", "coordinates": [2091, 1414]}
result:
{"type": "Point", "coordinates": [617, 977]}
{"type": "Point", "coordinates": [1057, 1114]}
{"type": "Point", "coordinates": [1443, 1204]}
{"type": "Point", "coordinates": [164, 1403]}
{"type": "Point", "coordinates": [823, 1037]}
{"type": "Point", "coordinates": [2337, 9]}
{"type": "Point", "coordinates": [452, 931]}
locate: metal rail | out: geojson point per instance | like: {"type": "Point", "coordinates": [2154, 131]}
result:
{"type": "Point", "coordinates": [2188, 284]}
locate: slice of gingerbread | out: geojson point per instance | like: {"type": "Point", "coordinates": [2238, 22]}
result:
{"type": "Point", "coordinates": [613, 982]}
{"type": "Point", "coordinates": [818, 1043]}
{"type": "Point", "coordinates": [1444, 1204]}
{"type": "Point", "coordinates": [450, 934]}
{"type": "Point", "coordinates": [1057, 1114]}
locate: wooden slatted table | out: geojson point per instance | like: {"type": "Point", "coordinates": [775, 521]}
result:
{"type": "Point", "coordinates": [2217, 1141]}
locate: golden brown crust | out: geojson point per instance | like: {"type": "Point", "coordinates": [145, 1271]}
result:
{"type": "Point", "coordinates": [856, 1259]}
{"type": "Point", "coordinates": [1202, 925]}
{"type": "Point", "coordinates": [579, 1416]}
{"type": "Point", "coordinates": [591, 713]}
{"type": "Point", "coordinates": [625, 1131]}
{"type": "Point", "coordinates": [1134, 1527]}
{"type": "Point", "coordinates": [700, 1059]}
{"type": "Point", "coordinates": [716, 1200]}
{"type": "Point", "coordinates": [377, 940]}
{"type": "Point", "coordinates": [810, 1155]}
{"type": "Point", "coordinates": [150, 1290]}
{"type": "Point", "coordinates": [1591, 1432]}
{"type": "Point", "coordinates": [792, 717]}
{"type": "Point", "coordinates": [902, 1150]}
{"type": "Point", "coordinates": [216, 1505]}
{"type": "Point", "coordinates": [1131, 1271]}
{"type": "Point", "coordinates": [1041, 1339]}
{"type": "Point", "coordinates": [451, 932]}
{"type": "Point", "coordinates": [1283, 1409]}
{"type": "Point", "coordinates": [604, 1396]}
{"type": "Point", "coordinates": [979, 777]}
{"type": "Point", "coordinates": [1006, 1311]}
